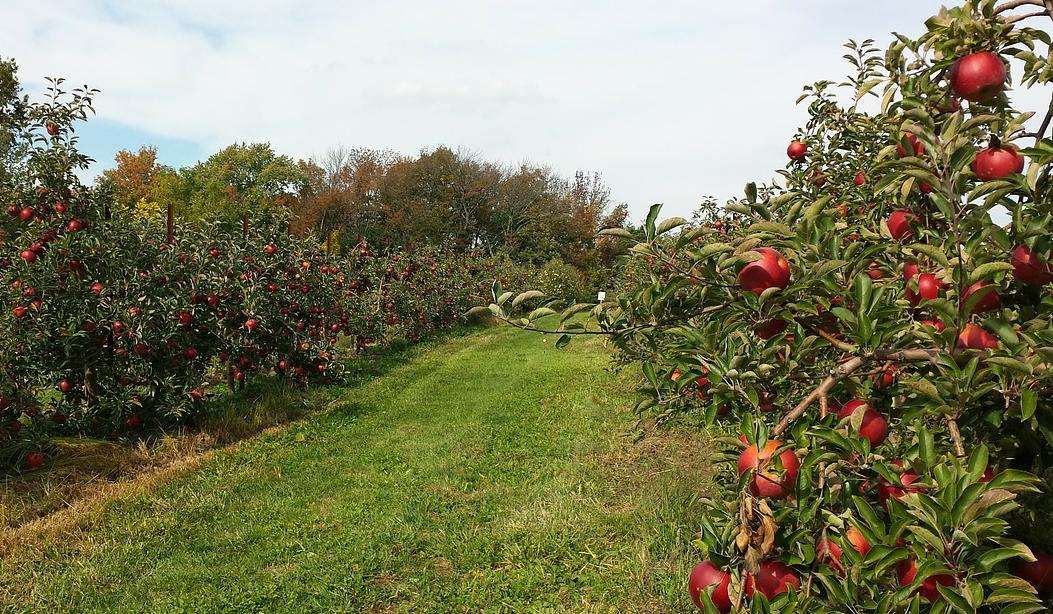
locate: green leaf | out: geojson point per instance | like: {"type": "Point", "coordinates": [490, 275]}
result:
{"type": "Point", "coordinates": [562, 341]}
{"type": "Point", "coordinates": [668, 225]}
{"type": "Point", "coordinates": [526, 296]}
{"type": "Point", "coordinates": [616, 232]}
{"type": "Point", "coordinates": [988, 269]}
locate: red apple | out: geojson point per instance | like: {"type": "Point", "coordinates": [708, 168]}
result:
{"type": "Point", "coordinates": [65, 386]}
{"type": "Point", "coordinates": [997, 162]}
{"type": "Point", "coordinates": [1038, 573]}
{"type": "Point", "coordinates": [978, 77]}
{"type": "Point", "coordinates": [858, 541]}
{"type": "Point", "coordinates": [25, 214]}
{"type": "Point", "coordinates": [907, 571]}
{"type": "Point", "coordinates": [929, 287]}
{"type": "Point", "coordinates": [133, 421]}
{"type": "Point", "coordinates": [899, 224]}
{"type": "Point", "coordinates": [988, 302]}
{"type": "Point", "coordinates": [251, 324]}
{"type": "Point", "coordinates": [19, 311]}
{"type": "Point", "coordinates": [917, 148]}
{"type": "Point", "coordinates": [860, 178]}
{"type": "Point", "coordinates": [769, 328]}
{"type": "Point", "coordinates": [52, 128]}
{"type": "Point", "coordinates": [705, 575]}
{"type": "Point", "coordinates": [29, 256]}
{"type": "Point", "coordinates": [886, 378]}
{"type": "Point", "coordinates": [772, 579]}
{"type": "Point", "coordinates": [770, 271]}
{"type": "Point", "coordinates": [34, 459]}
{"type": "Point", "coordinates": [972, 337]}
{"type": "Point", "coordinates": [874, 427]}
{"type": "Point", "coordinates": [769, 480]}
{"type": "Point", "coordinates": [796, 150]}
{"type": "Point", "coordinates": [937, 324]}
{"type": "Point", "coordinates": [185, 318]}
{"type": "Point", "coordinates": [190, 353]}
{"type": "Point", "coordinates": [1030, 269]}
{"type": "Point", "coordinates": [887, 491]}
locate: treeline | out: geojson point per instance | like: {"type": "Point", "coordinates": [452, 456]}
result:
{"type": "Point", "coordinates": [440, 197]}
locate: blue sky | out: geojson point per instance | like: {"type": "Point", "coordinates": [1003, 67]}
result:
{"type": "Point", "coordinates": [671, 101]}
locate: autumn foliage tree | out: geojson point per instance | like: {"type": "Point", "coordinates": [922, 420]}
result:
{"type": "Point", "coordinates": [873, 332]}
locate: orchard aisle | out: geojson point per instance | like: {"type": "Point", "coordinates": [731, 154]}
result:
{"type": "Point", "coordinates": [488, 474]}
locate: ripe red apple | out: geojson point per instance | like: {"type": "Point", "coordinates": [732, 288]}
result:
{"type": "Point", "coordinates": [271, 249]}
{"type": "Point", "coordinates": [34, 459]}
{"type": "Point", "coordinates": [251, 324]}
{"type": "Point", "coordinates": [770, 328]}
{"type": "Point", "coordinates": [705, 575]}
{"type": "Point", "coordinates": [829, 553]}
{"type": "Point", "coordinates": [874, 427]}
{"type": "Point", "coordinates": [25, 214]}
{"type": "Point", "coordinates": [772, 579]}
{"type": "Point", "coordinates": [74, 226]}
{"type": "Point", "coordinates": [97, 288]}
{"type": "Point", "coordinates": [19, 311]}
{"type": "Point", "coordinates": [1038, 573]}
{"type": "Point", "coordinates": [978, 77]}
{"type": "Point", "coordinates": [907, 571]}
{"type": "Point", "coordinates": [1030, 269]}
{"type": "Point", "coordinates": [997, 162]}
{"type": "Point", "coordinates": [772, 477]}
{"type": "Point", "coordinates": [52, 128]}
{"type": "Point", "coordinates": [29, 256]}
{"type": "Point", "coordinates": [858, 540]}
{"type": "Point", "coordinates": [65, 386]}
{"type": "Point", "coordinates": [886, 378]}
{"type": "Point", "coordinates": [937, 324]}
{"type": "Point", "coordinates": [133, 422]}
{"type": "Point", "coordinates": [899, 224]}
{"type": "Point", "coordinates": [859, 179]}
{"type": "Point", "coordinates": [197, 393]}
{"type": "Point", "coordinates": [988, 302]}
{"type": "Point", "coordinates": [929, 287]}
{"type": "Point", "coordinates": [796, 150]}
{"type": "Point", "coordinates": [887, 491]}
{"type": "Point", "coordinates": [972, 337]}
{"type": "Point", "coordinates": [770, 271]}
{"type": "Point", "coordinates": [190, 353]}
{"type": "Point", "coordinates": [185, 318]}
{"type": "Point", "coordinates": [917, 148]}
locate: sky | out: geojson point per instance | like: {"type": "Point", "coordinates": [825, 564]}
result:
{"type": "Point", "coordinates": [671, 101]}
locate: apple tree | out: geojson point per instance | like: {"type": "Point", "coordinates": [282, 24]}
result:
{"type": "Point", "coordinates": [872, 333]}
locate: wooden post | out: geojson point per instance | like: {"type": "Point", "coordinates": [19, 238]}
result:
{"type": "Point", "coordinates": [170, 224]}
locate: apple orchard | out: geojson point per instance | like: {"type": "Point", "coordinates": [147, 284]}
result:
{"type": "Point", "coordinates": [873, 335]}
{"type": "Point", "coordinates": [118, 325]}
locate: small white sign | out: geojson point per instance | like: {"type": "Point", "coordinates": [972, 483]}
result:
{"type": "Point", "coordinates": [601, 296]}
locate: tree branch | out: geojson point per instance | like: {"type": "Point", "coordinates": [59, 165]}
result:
{"type": "Point", "coordinates": [1017, 18]}
{"type": "Point", "coordinates": [846, 369]}
{"type": "Point", "coordinates": [1012, 4]}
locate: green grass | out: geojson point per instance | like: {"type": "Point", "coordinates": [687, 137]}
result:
{"type": "Point", "coordinates": [488, 474]}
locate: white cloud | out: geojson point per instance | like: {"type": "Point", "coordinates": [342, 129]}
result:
{"type": "Point", "coordinates": [671, 100]}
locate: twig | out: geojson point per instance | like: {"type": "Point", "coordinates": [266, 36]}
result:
{"type": "Point", "coordinates": [848, 368]}
{"type": "Point", "coordinates": [1012, 4]}
{"type": "Point", "coordinates": [956, 437]}
{"type": "Point", "coordinates": [1017, 18]}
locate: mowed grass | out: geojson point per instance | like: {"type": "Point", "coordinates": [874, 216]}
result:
{"type": "Point", "coordinates": [489, 474]}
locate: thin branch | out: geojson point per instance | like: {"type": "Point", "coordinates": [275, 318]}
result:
{"type": "Point", "coordinates": [1045, 124]}
{"type": "Point", "coordinates": [843, 370]}
{"type": "Point", "coordinates": [846, 369]}
{"type": "Point", "coordinates": [1017, 18]}
{"type": "Point", "coordinates": [956, 437]}
{"type": "Point", "coordinates": [1012, 4]}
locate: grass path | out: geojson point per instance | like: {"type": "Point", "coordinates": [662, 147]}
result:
{"type": "Point", "coordinates": [489, 474]}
